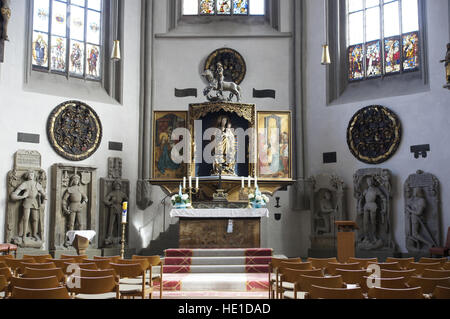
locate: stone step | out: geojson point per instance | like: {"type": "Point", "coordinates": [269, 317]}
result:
{"type": "Point", "coordinates": [203, 269]}
{"type": "Point", "coordinates": [257, 252]}
{"type": "Point", "coordinates": [174, 261]}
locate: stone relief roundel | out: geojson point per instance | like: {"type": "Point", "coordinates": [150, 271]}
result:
{"type": "Point", "coordinates": [74, 130]}
{"type": "Point", "coordinates": [233, 64]}
{"type": "Point", "coordinates": [374, 134]}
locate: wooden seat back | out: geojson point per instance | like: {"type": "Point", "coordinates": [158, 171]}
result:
{"type": "Point", "coordinates": [390, 265]}
{"type": "Point", "coordinates": [3, 283]}
{"type": "Point", "coordinates": [298, 266]}
{"type": "Point", "coordinates": [331, 268]}
{"type": "Point", "coordinates": [152, 260]}
{"type": "Point", "coordinates": [52, 293]}
{"type": "Point", "coordinates": [78, 259]}
{"type": "Point", "coordinates": [129, 270]}
{"type": "Point", "coordinates": [100, 263]}
{"type": "Point", "coordinates": [275, 262]}
{"type": "Point", "coordinates": [420, 267]}
{"type": "Point", "coordinates": [305, 282]}
{"type": "Point", "coordinates": [6, 272]}
{"type": "Point", "coordinates": [446, 266]}
{"type": "Point", "coordinates": [39, 259]}
{"type": "Point", "coordinates": [95, 285]}
{"type": "Point", "coordinates": [388, 293]}
{"type": "Point", "coordinates": [392, 283]}
{"type": "Point", "coordinates": [351, 276]}
{"type": "Point", "coordinates": [3, 265]}
{"type": "Point", "coordinates": [61, 263]}
{"type": "Point", "coordinates": [15, 264]}
{"type": "Point", "coordinates": [426, 260]}
{"type": "Point", "coordinates": [35, 283]}
{"type": "Point", "coordinates": [441, 292]}
{"type": "Point", "coordinates": [428, 284]}
{"type": "Point", "coordinates": [317, 292]}
{"type": "Point", "coordinates": [144, 262]}
{"type": "Point", "coordinates": [363, 262]}
{"type": "Point", "coordinates": [321, 263]}
{"type": "Point", "coordinates": [113, 259]}
{"type": "Point", "coordinates": [385, 273]}
{"type": "Point", "coordinates": [403, 262]}
{"type": "Point", "coordinates": [3, 257]}
{"type": "Point", "coordinates": [41, 273]}
{"type": "Point", "coordinates": [98, 273]}
{"type": "Point", "coordinates": [435, 273]}
{"type": "Point", "coordinates": [37, 266]}
{"type": "Point", "coordinates": [293, 275]}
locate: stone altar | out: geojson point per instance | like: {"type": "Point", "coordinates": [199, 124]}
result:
{"type": "Point", "coordinates": [422, 213]}
{"type": "Point", "coordinates": [373, 192]}
{"type": "Point", "coordinates": [74, 196]}
{"type": "Point", "coordinates": [326, 196]}
{"type": "Point", "coordinates": [27, 184]}
{"type": "Point", "coordinates": [113, 192]}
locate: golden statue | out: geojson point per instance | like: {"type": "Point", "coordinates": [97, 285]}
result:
{"type": "Point", "coordinates": [447, 66]}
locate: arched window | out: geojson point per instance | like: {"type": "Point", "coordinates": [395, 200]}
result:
{"type": "Point", "coordinates": [223, 7]}
{"type": "Point", "coordinates": [382, 38]}
{"type": "Point", "coordinates": [67, 37]}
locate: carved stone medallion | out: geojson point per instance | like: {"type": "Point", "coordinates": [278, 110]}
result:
{"type": "Point", "coordinates": [374, 134]}
{"type": "Point", "coordinates": [234, 67]}
{"type": "Point", "coordinates": [74, 130]}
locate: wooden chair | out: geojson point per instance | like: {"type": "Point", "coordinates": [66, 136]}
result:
{"type": "Point", "coordinates": [61, 263]}
{"type": "Point", "coordinates": [351, 277]}
{"type": "Point", "coordinates": [429, 284]}
{"type": "Point", "coordinates": [100, 263]}
{"type": "Point", "coordinates": [42, 273]}
{"type": "Point", "coordinates": [34, 283]}
{"type": "Point", "coordinates": [99, 273]}
{"type": "Point", "coordinates": [305, 282]}
{"type": "Point", "coordinates": [113, 259]}
{"type": "Point", "coordinates": [3, 285]}
{"type": "Point", "coordinates": [441, 293]}
{"type": "Point", "coordinates": [6, 272]}
{"type": "Point", "coordinates": [37, 266]}
{"type": "Point", "coordinates": [420, 267]}
{"type": "Point", "coordinates": [3, 265]}
{"type": "Point", "coordinates": [81, 266]}
{"type": "Point", "coordinates": [407, 293]}
{"type": "Point", "coordinates": [153, 261]}
{"type": "Point", "coordinates": [317, 292]}
{"type": "Point", "coordinates": [52, 293]}
{"type": "Point", "coordinates": [321, 263]}
{"type": "Point", "coordinates": [433, 273]}
{"type": "Point", "coordinates": [133, 271]}
{"type": "Point", "coordinates": [16, 264]}
{"type": "Point", "coordinates": [95, 287]}
{"type": "Point", "coordinates": [442, 251]}
{"type": "Point", "coordinates": [289, 277]}
{"type": "Point", "coordinates": [398, 273]}
{"type": "Point", "coordinates": [392, 283]}
{"type": "Point", "coordinates": [40, 259]}
{"type": "Point", "coordinates": [274, 275]}
{"type": "Point", "coordinates": [389, 266]}
{"type": "Point", "coordinates": [425, 260]}
{"type": "Point", "coordinates": [363, 262]}
{"type": "Point", "coordinates": [78, 259]}
{"type": "Point", "coordinates": [3, 257]}
{"type": "Point", "coordinates": [446, 266]}
{"type": "Point", "coordinates": [331, 268]}
{"type": "Point", "coordinates": [403, 262]}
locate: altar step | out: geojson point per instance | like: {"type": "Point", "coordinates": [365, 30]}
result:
{"type": "Point", "coordinates": [232, 252]}
{"type": "Point", "coordinates": [198, 261]}
{"type": "Point", "coordinates": [211, 269]}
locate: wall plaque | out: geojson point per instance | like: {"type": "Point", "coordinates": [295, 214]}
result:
{"type": "Point", "coordinates": [74, 130]}
{"type": "Point", "coordinates": [234, 67]}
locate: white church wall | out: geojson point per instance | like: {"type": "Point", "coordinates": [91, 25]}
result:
{"type": "Point", "coordinates": [424, 116]}
{"type": "Point", "coordinates": [26, 107]}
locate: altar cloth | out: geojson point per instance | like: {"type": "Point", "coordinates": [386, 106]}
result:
{"type": "Point", "coordinates": [220, 213]}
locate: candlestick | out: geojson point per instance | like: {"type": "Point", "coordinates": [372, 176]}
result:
{"type": "Point", "coordinates": [124, 223]}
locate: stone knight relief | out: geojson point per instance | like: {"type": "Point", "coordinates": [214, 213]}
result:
{"type": "Point", "coordinates": [27, 184]}
{"type": "Point", "coordinates": [422, 213]}
{"type": "Point", "coordinates": [372, 190]}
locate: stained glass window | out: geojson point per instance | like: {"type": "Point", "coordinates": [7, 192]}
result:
{"type": "Point", "coordinates": [383, 37]}
{"type": "Point", "coordinates": [223, 7]}
{"type": "Point", "coordinates": [67, 37]}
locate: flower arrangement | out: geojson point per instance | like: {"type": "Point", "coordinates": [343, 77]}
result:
{"type": "Point", "coordinates": [258, 200]}
{"type": "Point", "coordinates": [181, 200]}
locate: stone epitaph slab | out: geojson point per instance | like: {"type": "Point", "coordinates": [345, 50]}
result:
{"type": "Point", "coordinates": [422, 213]}
{"type": "Point", "coordinates": [327, 202]}
{"type": "Point", "coordinates": [74, 197]}
{"type": "Point", "coordinates": [26, 193]}
{"type": "Point", "coordinates": [113, 192]}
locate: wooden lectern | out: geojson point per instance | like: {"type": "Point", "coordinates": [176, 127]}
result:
{"type": "Point", "coordinates": [346, 240]}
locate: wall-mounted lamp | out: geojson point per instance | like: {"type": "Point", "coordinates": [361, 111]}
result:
{"type": "Point", "coordinates": [326, 59]}
{"type": "Point", "coordinates": [115, 56]}
{"type": "Point", "coordinates": [277, 215]}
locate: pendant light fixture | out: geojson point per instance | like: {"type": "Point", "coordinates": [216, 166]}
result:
{"type": "Point", "coordinates": [326, 59]}
{"type": "Point", "coordinates": [116, 56]}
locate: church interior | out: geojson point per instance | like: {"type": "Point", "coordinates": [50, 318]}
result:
{"type": "Point", "coordinates": [224, 149]}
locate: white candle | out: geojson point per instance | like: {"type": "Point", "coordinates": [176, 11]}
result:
{"type": "Point", "coordinates": [190, 181]}
{"type": "Point", "coordinates": [249, 182]}
{"type": "Point", "coordinates": [242, 182]}
{"type": "Point", "coordinates": [256, 182]}
{"type": "Point", "coordinates": [196, 183]}
{"type": "Point", "coordinates": [124, 212]}
{"type": "Point", "coordinates": [184, 182]}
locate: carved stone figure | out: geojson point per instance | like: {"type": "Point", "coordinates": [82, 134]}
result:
{"type": "Point", "coordinates": [27, 197]}
{"type": "Point", "coordinates": [74, 194]}
{"type": "Point", "coordinates": [218, 85]}
{"type": "Point", "coordinates": [225, 150]}
{"type": "Point", "coordinates": [114, 191]}
{"type": "Point", "coordinates": [6, 15]}
{"type": "Point", "coordinates": [326, 198]}
{"type": "Point", "coordinates": [373, 194]}
{"type": "Point", "coordinates": [446, 62]}
{"type": "Point", "coordinates": [422, 212]}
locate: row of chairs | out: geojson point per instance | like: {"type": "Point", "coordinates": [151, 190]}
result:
{"type": "Point", "coordinates": [428, 276]}
{"type": "Point", "coordinates": [101, 277]}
